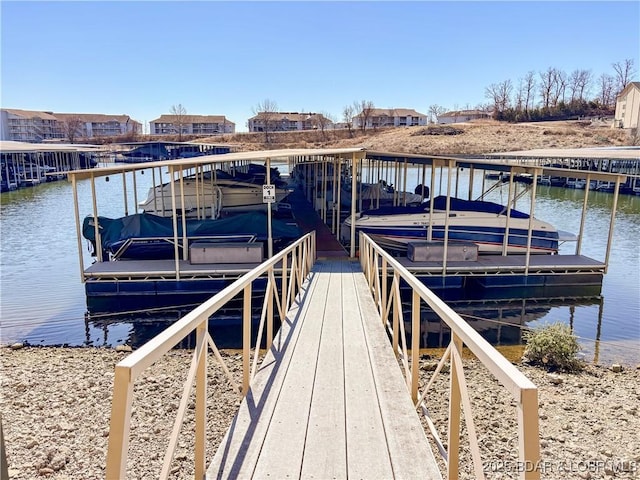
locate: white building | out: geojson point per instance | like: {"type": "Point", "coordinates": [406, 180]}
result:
{"type": "Point", "coordinates": [389, 117]}
{"type": "Point", "coordinates": [458, 116]}
{"type": "Point", "coordinates": [628, 107]}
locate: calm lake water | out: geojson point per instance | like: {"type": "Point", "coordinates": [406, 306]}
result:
{"type": "Point", "coordinates": [43, 302]}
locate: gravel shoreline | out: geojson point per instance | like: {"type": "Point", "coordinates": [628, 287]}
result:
{"type": "Point", "coordinates": [55, 406]}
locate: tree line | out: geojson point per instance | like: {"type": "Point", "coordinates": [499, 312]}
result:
{"type": "Point", "coordinates": [553, 94]}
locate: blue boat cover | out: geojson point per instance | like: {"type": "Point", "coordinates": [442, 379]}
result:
{"type": "Point", "coordinates": [114, 232]}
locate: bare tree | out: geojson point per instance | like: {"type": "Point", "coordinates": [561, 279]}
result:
{"type": "Point", "coordinates": [365, 107]}
{"type": "Point", "coordinates": [71, 127]}
{"type": "Point", "coordinates": [624, 72]}
{"type": "Point", "coordinates": [559, 87]}
{"type": "Point", "coordinates": [529, 91]}
{"type": "Point", "coordinates": [547, 79]}
{"type": "Point", "coordinates": [605, 95]}
{"type": "Point", "coordinates": [485, 108]}
{"type": "Point", "coordinates": [520, 96]}
{"type": "Point", "coordinates": [321, 121]}
{"type": "Point", "coordinates": [179, 114]}
{"type": "Point", "coordinates": [434, 112]}
{"type": "Point", "coordinates": [584, 84]}
{"type": "Point", "coordinates": [492, 93]}
{"type": "Point", "coordinates": [578, 84]}
{"type": "Point", "coordinates": [348, 113]}
{"type": "Point", "coordinates": [266, 113]}
{"type": "Point", "coordinates": [500, 94]}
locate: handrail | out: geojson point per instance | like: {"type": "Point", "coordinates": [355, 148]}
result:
{"type": "Point", "coordinates": [376, 264]}
{"type": "Point", "coordinates": [295, 262]}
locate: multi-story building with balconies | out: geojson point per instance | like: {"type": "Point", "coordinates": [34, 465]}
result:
{"type": "Point", "coordinates": [39, 126]}
{"type": "Point", "coordinates": [191, 125]}
{"type": "Point", "coordinates": [287, 122]}
{"type": "Point", "coordinates": [28, 126]}
{"type": "Point", "coordinates": [389, 117]}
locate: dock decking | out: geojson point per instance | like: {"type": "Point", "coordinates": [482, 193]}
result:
{"type": "Point", "coordinates": [329, 400]}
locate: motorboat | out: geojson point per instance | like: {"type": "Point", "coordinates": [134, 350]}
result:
{"type": "Point", "coordinates": [483, 223]}
{"type": "Point", "coordinates": [207, 197]}
{"type": "Point", "coordinates": [379, 194]}
{"type": "Point", "coordinates": [144, 236]}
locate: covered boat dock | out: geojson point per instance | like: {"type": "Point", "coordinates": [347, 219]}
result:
{"type": "Point", "coordinates": [165, 282]}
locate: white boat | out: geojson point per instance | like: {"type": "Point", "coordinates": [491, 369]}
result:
{"type": "Point", "coordinates": [208, 198]}
{"type": "Point", "coordinates": [483, 223]}
{"type": "Point", "coordinates": [377, 194]}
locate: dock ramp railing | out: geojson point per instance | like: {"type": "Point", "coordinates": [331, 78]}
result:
{"type": "Point", "coordinates": [384, 276]}
{"type": "Point", "coordinates": [294, 263]}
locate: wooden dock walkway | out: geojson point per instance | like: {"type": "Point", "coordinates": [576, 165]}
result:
{"type": "Point", "coordinates": [329, 400]}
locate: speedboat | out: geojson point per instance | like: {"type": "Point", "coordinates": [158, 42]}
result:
{"type": "Point", "coordinates": [377, 194]}
{"type": "Point", "coordinates": [209, 198]}
{"type": "Point", "coordinates": [480, 222]}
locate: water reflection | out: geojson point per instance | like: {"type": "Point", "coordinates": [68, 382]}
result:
{"type": "Point", "coordinates": [500, 322]}
{"type": "Point", "coordinates": [43, 299]}
{"type": "Point", "coordinates": [135, 330]}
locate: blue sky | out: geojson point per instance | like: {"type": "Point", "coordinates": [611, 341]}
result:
{"type": "Point", "coordinates": [225, 58]}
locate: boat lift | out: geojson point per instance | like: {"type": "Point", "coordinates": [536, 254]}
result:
{"type": "Point", "coordinates": [320, 178]}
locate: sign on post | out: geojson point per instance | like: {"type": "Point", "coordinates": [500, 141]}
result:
{"type": "Point", "coordinates": [268, 193]}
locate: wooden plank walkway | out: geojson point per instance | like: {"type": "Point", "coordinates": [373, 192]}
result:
{"type": "Point", "coordinates": [329, 400]}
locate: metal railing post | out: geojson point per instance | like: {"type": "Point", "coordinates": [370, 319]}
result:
{"type": "Point", "coordinates": [384, 289]}
{"type": "Point", "coordinates": [119, 426]}
{"type": "Point", "coordinates": [246, 339]}
{"type": "Point", "coordinates": [528, 434]}
{"type": "Point", "coordinates": [455, 399]}
{"type": "Point", "coordinates": [201, 400]}
{"type": "Point", "coordinates": [396, 313]}
{"type": "Point", "coordinates": [415, 345]}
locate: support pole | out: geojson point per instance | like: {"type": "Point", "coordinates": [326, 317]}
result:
{"type": "Point", "coordinates": [269, 227]}
{"type": "Point", "coordinates": [612, 222]}
{"type": "Point", "coordinates": [354, 185]}
{"type": "Point", "coordinates": [584, 214]}
{"type": "Point", "coordinates": [76, 209]}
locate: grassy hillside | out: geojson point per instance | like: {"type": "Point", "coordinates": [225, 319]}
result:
{"type": "Point", "coordinates": [468, 138]}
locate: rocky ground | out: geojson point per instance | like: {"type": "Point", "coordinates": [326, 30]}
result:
{"type": "Point", "coordinates": [55, 406]}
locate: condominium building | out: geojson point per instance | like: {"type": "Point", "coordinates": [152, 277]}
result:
{"type": "Point", "coordinates": [389, 117]}
{"type": "Point", "coordinates": [39, 126]}
{"type": "Point", "coordinates": [288, 122]}
{"type": "Point", "coordinates": [191, 125]}
{"type": "Point", "coordinates": [28, 126]}
{"type": "Point", "coordinates": [91, 125]}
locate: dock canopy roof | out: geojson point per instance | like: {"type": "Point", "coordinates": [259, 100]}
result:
{"type": "Point", "coordinates": [192, 162]}
{"type": "Point", "coordinates": [501, 162]}
{"type": "Point", "coordinates": [9, 146]}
